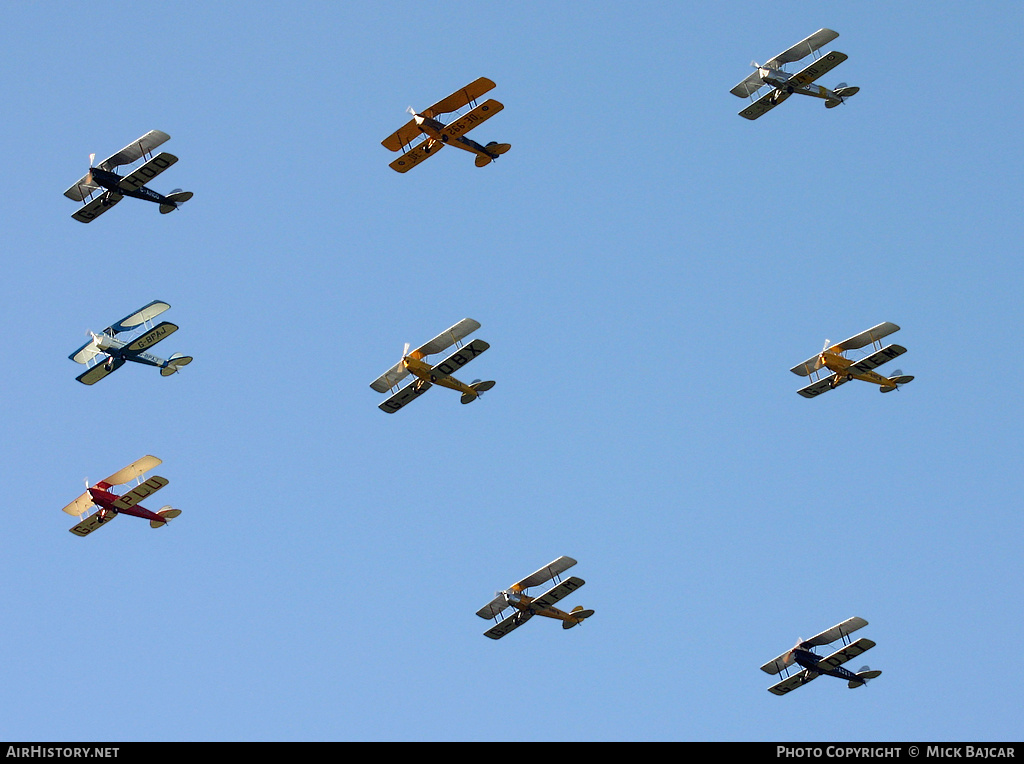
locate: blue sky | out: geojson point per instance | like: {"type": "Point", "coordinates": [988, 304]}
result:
{"type": "Point", "coordinates": [646, 265]}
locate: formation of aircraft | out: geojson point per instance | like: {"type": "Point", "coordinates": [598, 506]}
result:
{"type": "Point", "coordinates": [436, 134]}
{"type": "Point", "coordinates": [812, 665]}
{"type": "Point", "coordinates": [783, 84]}
{"type": "Point", "coordinates": [112, 187]}
{"type": "Point", "coordinates": [428, 374]}
{"type": "Point", "coordinates": [110, 505]}
{"type": "Point", "coordinates": [526, 607]}
{"type": "Point", "coordinates": [105, 353]}
{"type": "Point", "coordinates": [844, 369]}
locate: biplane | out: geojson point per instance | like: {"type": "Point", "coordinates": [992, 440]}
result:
{"type": "Point", "coordinates": [428, 374]}
{"type": "Point", "coordinates": [783, 84]}
{"type": "Point", "coordinates": [844, 369]}
{"type": "Point", "coordinates": [107, 352]}
{"type": "Point", "coordinates": [438, 134]}
{"type": "Point", "coordinates": [110, 505]}
{"type": "Point", "coordinates": [527, 607]}
{"type": "Point", "coordinates": [812, 665]}
{"type": "Point", "coordinates": [112, 187]}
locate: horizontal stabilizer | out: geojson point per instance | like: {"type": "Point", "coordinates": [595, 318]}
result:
{"type": "Point", "coordinates": [863, 675]}
{"type": "Point", "coordinates": [168, 514]}
{"type": "Point", "coordinates": [175, 362]}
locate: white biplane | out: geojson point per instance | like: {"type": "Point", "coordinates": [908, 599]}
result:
{"type": "Point", "coordinates": [427, 374]}
{"type": "Point", "coordinates": [113, 188]}
{"type": "Point", "coordinates": [110, 504]}
{"type": "Point", "coordinates": [844, 369]}
{"type": "Point", "coordinates": [106, 353]}
{"type": "Point", "coordinates": [526, 607]}
{"type": "Point", "coordinates": [439, 134]}
{"type": "Point", "coordinates": [812, 665]}
{"type": "Point", "coordinates": [783, 84]}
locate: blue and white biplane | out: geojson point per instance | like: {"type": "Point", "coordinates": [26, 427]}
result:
{"type": "Point", "coordinates": [812, 665]}
{"type": "Point", "coordinates": [783, 84]}
{"type": "Point", "coordinates": [107, 352]}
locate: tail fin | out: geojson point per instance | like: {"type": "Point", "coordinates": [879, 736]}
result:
{"type": "Point", "coordinates": [176, 198]}
{"type": "Point", "coordinates": [168, 513]}
{"type": "Point", "coordinates": [478, 387]}
{"type": "Point", "coordinates": [579, 614]}
{"type": "Point", "coordinates": [175, 362]}
{"type": "Point", "coordinates": [863, 676]}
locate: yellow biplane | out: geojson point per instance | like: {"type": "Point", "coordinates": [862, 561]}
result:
{"type": "Point", "coordinates": [527, 607]}
{"type": "Point", "coordinates": [428, 374]}
{"type": "Point", "coordinates": [439, 134]}
{"type": "Point", "coordinates": [844, 369]}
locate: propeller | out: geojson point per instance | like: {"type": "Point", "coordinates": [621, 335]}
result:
{"type": "Point", "coordinates": [88, 175]}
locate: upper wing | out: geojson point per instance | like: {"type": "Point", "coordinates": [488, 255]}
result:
{"type": "Point", "coordinates": [390, 378]}
{"type": "Point", "coordinates": [464, 124]}
{"type": "Point", "coordinates": [140, 177]}
{"type": "Point", "coordinates": [549, 571]}
{"type": "Point", "coordinates": [404, 396]}
{"type": "Point", "coordinates": [817, 68]}
{"type": "Point", "coordinates": [141, 316]}
{"type": "Point", "coordinates": [413, 157]}
{"type": "Point", "coordinates": [153, 336]}
{"type": "Point", "coordinates": [135, 150]}
{"type": "Point", "coordinates": [134, 470]}
{"type": "Point", "coordinates": [448, 337]}
{"type": "Point", "coordinates": [127, 155]}
{"type": "Point", "coordinates": [460, 98]}
{"type": "Point", "coordinates": [829, 636]}
{"type": "Point", "coordinates": [749, 86]}
{"type": "Point", "coordinates": [494, 607]}
{"type": "Point", "coordinates": [873, 334]}
{"type": "Point", "coordinates": [765, 103]}
{"type": "Point", "coordinates": [97, 207]}
{"type": "Point", "coordinates": [140, 492]}
{"type": "Point", "coordinates": [403, 136]}
{"type": "Point", "coordinates": [803, 48]}
{"type": "Point", "coordinates": [809, 366]}
{"type": "Point", "coordinates": [789, 684]}
{"type": "Point", "coordinates": [80, 505]}
{"type": "Point", "coordinates": [879, 357]}
{"type": "Point", "coordinates": [557, 592]}
{"type": "Point", "coordinates": [514, 621]}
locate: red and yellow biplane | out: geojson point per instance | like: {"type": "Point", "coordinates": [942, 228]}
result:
{"type": "Point", "coordinates": [111, 505]}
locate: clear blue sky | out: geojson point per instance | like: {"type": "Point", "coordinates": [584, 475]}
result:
{"type": "Point", "coordinates": [646, 265]}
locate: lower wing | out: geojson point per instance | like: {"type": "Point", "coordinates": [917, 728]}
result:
{"type": "Point", "coordinates": [413, 157]}
{"type": "Point", "coordinates": [789, 684]}
{"type": "Point", "coordinates": [97, 207]}
{"type": "Point", "coordinates": [765, 103]}
{"type": "Point", "coordinates": [404, 396]}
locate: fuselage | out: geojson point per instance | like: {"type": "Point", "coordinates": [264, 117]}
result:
{"type": "Point", "coordinates": [105, 501]}
{"type": "Point", "coordinates": [814, 663]}
{"type": "Point", "coordinates": [784, 81]}
{"type": "Point", "coordinates": [429, 373]}
{"type": "Point", "coordinates": [111, 181]}
{"type": "Point", "coordinates": [117, 349]}
{"type": "Point", "coordinates": [435, 130]}
{"type": "Point", "coordinates": [523, 602]}
{"type": "Point", "coordinates": [844, 367]}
